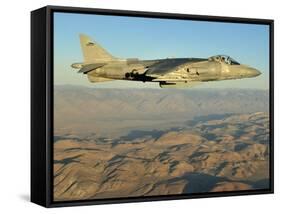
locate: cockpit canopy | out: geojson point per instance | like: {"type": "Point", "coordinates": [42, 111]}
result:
{"type": "Point", "coordinates": [224, 58]}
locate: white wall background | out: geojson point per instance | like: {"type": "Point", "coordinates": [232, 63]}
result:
{"type": "Point", "coordinates": [15, 106]}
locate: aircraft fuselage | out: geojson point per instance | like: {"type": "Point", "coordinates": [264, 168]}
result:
{"type": "Point", "coordinates": [101, 66]}
{"type": "Point", "coordinates": [199, 70]}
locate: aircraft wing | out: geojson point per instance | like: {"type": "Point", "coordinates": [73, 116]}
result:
{"type": "Point", "coordinates": [166, 66]}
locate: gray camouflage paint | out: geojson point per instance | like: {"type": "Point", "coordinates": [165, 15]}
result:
{"type": "Point", "coordinates": [100, 66]}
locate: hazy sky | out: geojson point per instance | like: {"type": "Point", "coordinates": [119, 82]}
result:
{"type": "Point", "coordinates": [147, 38]}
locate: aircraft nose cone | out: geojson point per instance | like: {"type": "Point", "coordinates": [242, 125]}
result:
{"type": "Point", "coordinates": [254, 72]}
{"type": "Point", "coordinates": [251, 72]}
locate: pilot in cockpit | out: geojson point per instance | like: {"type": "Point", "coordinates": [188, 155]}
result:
{"type": "Point", "coordinates": [225, 59]}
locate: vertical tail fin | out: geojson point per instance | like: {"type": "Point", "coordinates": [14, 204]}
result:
{"type": "Point", "coordinates": [93, 52]}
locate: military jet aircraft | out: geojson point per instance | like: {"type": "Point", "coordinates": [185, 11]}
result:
{"type": "Point", "coordinates": [100, 66]}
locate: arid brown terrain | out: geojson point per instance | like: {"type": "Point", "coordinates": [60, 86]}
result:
{"type": "Point", "coordinates": [212, 153]}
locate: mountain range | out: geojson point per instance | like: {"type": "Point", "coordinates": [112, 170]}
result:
{"type": "Point", "coordinates": [111, 112]}
{"type": "Point", "coordinates": [220, 153]}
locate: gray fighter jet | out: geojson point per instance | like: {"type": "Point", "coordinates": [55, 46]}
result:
{"type": "Point", "coordinates": [100, 66]}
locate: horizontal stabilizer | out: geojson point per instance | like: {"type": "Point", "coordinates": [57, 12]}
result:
{"type": "Point", "coordinates": [90, 67]}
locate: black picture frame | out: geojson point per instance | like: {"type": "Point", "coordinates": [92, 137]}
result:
{"type": "Point", "coordinates": [42, 103]}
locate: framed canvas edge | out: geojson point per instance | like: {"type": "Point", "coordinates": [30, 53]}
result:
{"type": "Point", "coordinates": [38, 153]}
{"type": "Point", "coordinates": [49, 103]}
